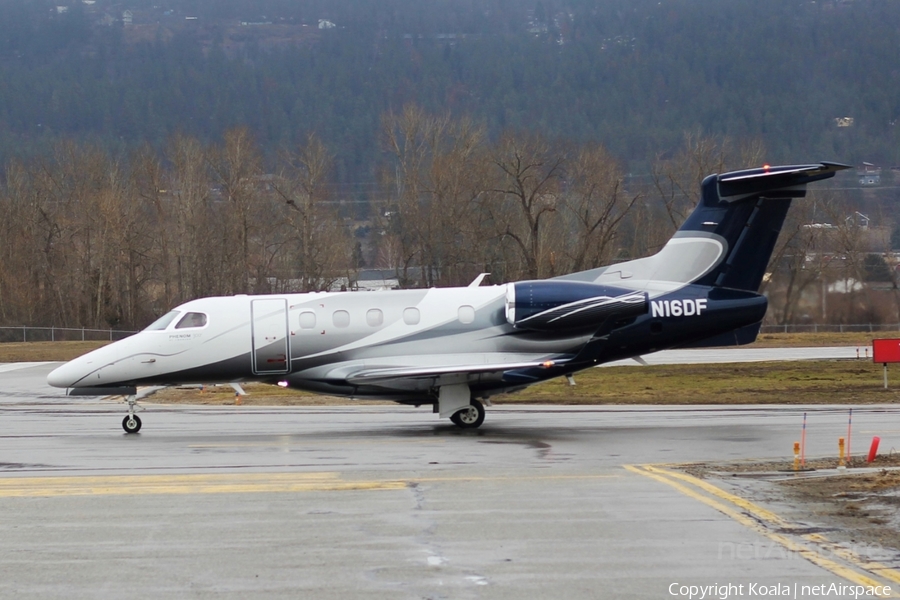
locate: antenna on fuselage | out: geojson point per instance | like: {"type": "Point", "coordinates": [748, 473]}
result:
{"type": "Point", "coordinates": [478, 280]}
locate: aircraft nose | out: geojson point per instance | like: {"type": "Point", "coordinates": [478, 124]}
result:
{"type": "Point", "coordinates": [65, 375]}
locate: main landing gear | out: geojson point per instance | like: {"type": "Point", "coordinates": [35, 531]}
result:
{"type": "Point", "coordinates": [132, 422]}
{"type": "Point", "coordinates": [456, 401]}
{"type": "Point", "coordinates": [469, 417]}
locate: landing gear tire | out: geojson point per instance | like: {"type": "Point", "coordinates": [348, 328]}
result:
{"type": "Point", "coordinates": [131, 424]}
{"type": "Point", "coordinates": [469, 417]}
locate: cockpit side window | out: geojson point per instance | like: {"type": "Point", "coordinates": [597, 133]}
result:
{"type": "Point", "coordinates": [192, 319]}
{"type": "Point", "coordinates": [163, 322]}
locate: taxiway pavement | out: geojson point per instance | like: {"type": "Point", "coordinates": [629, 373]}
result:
{"type": "Point", "coordinates": [383, 502]}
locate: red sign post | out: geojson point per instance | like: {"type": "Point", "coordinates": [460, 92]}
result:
{"type": "Point", "coordinates": [886, 351]}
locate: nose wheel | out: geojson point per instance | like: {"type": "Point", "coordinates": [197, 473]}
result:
{"type": "Point", "coordinates": [469, 417]}
{"type": "Point", "coordinates": [132, 422]}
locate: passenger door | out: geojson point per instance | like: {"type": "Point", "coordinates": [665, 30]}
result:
{"type": "Point", "coordinates": [271, 349]}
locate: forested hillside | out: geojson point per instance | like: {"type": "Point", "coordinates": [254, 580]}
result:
{"type": "Point", "coordinates": [152, 154]}
{"type": "Point", "coordinates": [634, 76]}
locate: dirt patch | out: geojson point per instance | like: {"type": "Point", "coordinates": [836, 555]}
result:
{"type": "Point", "coordinates": [861, 507]}
{"type": "Point", "coordinates": [703, 470]}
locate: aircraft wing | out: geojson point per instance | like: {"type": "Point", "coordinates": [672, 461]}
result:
{"type": "Point", "coordinates": [377, 375]}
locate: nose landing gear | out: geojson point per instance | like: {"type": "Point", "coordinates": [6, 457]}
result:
{"type": "Point", "coordinates": [132, 422]}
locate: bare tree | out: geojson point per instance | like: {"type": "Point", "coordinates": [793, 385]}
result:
{"type": "Point", "coordinates": [186, 209]}
{"type": "Point", "coordinates": [595, 206]}
{"type": "Point", "coordinates": [801, 260]}
{"type": "Point", "coordinates": [236, 167]}
{"type": "Point", "coordinates": [523, 198]}
{"type": "Point", "coordinates": [435, 174]}
{"type": "Point", "coordinates": [319, 236]}
{"type": "Point", "coordinates": [676, 181]}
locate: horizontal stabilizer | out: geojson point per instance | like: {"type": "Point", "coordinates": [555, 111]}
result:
{"type": "Point", "coordinates": [778, 180]}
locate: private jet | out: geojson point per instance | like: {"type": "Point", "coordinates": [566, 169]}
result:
{"type": "Point", "coordinates": [455, 348]}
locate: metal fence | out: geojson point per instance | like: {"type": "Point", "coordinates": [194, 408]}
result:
{"type": "Point", "coordinates": [59, 334]}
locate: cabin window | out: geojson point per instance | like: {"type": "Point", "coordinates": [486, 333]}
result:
{"type": "Point", "coordinates": [307, 319]}
{"type": "Point", "coordinates": [163, 322]}
{"type": "Point", "coordinates": [411, 316]}
{"type": "Point", "coordinates": [191, 320]}
{"type": "Point", "coordinates": [466, 314]}
{"type": "Point", "coordinates": [341, 318]}
{"type": "Point", "coordinates": [374, 318]}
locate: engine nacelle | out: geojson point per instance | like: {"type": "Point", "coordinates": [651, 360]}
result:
{"type": "Point", "coordinates": [565, 305]}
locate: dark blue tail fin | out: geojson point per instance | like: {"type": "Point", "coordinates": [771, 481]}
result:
{"type": "Point", "coordinates": [727, 240]}
{"type": "Point", "coordinates": [746, 210]}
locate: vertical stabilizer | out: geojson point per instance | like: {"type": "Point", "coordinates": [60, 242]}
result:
{"type": "Point", "coordinates": [728, 239]}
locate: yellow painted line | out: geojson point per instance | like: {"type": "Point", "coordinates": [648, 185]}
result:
{"type": "Point", "coordinates": [776, 521]}
{"type": "Point", "coordinates": [811, 555]}
{"type": "Point", "coordinates": [850, 556]}
{"type": "Point", "coordinates": [119, 485]}
{"type": "Point", "coordinates": [228, 483]}
{"type": "Point", "coordinates": [759, 511]}
{"type": "Point", "coordinates": [513, 478]}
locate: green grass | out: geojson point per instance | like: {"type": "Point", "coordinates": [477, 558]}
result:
{"type": "Point", "coordinates": [44, 351]}
{"type": "Point", "coordinates": [806, 340]}
{"type": "Point", "coordinates": [797, 382]}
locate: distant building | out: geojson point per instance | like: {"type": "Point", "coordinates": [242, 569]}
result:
{"type": "Point", "coordinates": [860, 220]}
{"type": "Point", "coordinates": [326, 24]}
{"type": "Point", "coordinates": [127, 18]}
{"type": "Point", "coordinates": [376, 279]}
{"type": "Point", "coordinates": [869, 174]}
{"type": "Point", "coordinates": [844, 121]}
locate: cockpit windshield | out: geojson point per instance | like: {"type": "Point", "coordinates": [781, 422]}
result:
{"type": "Point", "coordinates": [162, 322]}
{"type": "Point", "coordinates": [192, 319]}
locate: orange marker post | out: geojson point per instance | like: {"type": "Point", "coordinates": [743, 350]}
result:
{"type": "Point", "coordinates": [873, 449]}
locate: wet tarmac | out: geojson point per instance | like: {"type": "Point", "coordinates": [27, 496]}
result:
{"type": "Point", "coordinates": [392, 502]}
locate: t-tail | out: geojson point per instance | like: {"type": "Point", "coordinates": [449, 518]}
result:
{"type": "Point", "coordinates": [728, 239]}
{"type": "Point", "coordinates": [702, 287]}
